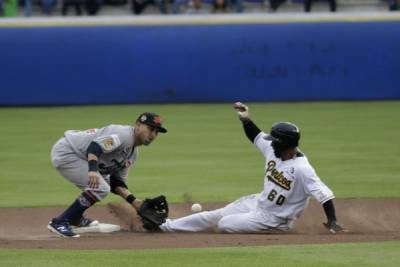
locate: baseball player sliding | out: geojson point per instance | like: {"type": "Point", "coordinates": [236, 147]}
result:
{"type": "Point", "coordinates": [97, 161]}
{"type": "Point", "coordinates": [289, 181]}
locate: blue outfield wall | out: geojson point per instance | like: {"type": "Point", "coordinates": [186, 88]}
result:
{"type": "Point", "coordinates": [86, 64]}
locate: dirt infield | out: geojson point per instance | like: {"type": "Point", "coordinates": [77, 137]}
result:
{"type": "Point", "coordinates": [366, 220]}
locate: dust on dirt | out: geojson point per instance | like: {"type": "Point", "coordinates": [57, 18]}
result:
{"type": "Point", "coordinates": [366, 219]}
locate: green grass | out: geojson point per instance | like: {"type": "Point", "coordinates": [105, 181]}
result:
{"type": "Point", "coordinates": [351, 255]}
{"type": "Point", "coordinates": [354, 147]}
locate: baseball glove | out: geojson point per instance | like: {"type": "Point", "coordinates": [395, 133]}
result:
{"type": "Point", "coordinates": [153, 212]}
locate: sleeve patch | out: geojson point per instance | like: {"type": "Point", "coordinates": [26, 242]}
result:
{"type": "Point", "coordinates": [108, 143]}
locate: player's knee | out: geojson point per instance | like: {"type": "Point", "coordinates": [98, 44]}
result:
{"type": "Point", "coordinates": [225, 225]}
{"type": "Point", "coordinates": [103, 191]}
{"type": "Point", "coordinates": [213, 215]}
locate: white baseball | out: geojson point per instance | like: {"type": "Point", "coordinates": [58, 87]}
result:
{"type": "Point", "coordinates": [196, 207]}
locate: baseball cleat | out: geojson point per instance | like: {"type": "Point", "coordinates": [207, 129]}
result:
{"type": "Point", "coordinates": [62, 229]}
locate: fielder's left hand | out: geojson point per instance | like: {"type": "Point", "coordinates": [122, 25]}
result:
{"type": "Point", "coordinates": [94, 180]}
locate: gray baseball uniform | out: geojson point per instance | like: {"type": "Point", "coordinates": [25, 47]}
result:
{"type": "Point", "coordinates": [97, 161]}
{"type": "Point", "coordinates": [119, 152]}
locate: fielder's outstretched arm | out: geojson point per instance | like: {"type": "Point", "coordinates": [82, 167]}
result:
{"type": "Point", "coordinates": [128, 196]}
{"type": "Point", "coordinates": [118, 186]}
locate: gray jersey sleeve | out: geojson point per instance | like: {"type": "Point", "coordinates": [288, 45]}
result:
{"type": "Point", "coordinates": [110, 138]}
{"type": "Point", "coordinates": [114, 137]}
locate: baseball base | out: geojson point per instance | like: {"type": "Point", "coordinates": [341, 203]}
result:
{"type": "Point", "coordinates": [99, 228]}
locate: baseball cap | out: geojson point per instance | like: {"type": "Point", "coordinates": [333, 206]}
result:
{"type": "Point", "coordinates": [151, 119]}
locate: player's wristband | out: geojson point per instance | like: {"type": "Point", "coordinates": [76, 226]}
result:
{"type": "Point", "coordinates": [130, 198]}
{"type": "Point", "coordinates": [93, 165]}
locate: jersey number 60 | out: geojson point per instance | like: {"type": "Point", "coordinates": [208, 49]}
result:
{"type": "Point", "coordinates": [279, 200]}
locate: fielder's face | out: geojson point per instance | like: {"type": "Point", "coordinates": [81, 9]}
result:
{"type": "Point", "coordinates": [145, 134]}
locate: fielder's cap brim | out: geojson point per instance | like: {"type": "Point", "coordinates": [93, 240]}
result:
{"type": "Point", "coordinates": [158, 127]}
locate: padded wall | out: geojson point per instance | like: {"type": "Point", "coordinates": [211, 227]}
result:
{"type": "Point", "coordinates": [289, 61]}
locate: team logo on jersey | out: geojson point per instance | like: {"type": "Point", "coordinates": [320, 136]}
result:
{"type": "Point", "coordinates": [107, 143]}
{"type": "Point", "coordinates": [115, 167]}
{"type": "Point", "coordinates": [277, 177]}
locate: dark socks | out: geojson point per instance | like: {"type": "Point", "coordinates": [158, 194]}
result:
{"type": "Point", "coordinates": [74, 213]}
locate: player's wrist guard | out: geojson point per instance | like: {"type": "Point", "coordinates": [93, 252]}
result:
{"type": "Point", "coordinates": [93, 165]}
{"type": "Point", "coordinates": [130, 198]}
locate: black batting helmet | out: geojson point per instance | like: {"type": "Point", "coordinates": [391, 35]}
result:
{"type": "Point", "coordinates": [286, 134]}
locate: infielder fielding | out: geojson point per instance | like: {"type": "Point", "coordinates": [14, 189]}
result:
{"type": "Point", "coordinates": [97, 161]}
{"type": "Point", "coordinates": [288, 183]}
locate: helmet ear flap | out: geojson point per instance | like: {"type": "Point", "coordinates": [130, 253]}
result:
{"type": "Point", "coordinates": [282, 144]}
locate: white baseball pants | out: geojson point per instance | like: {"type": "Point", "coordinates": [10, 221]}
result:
{"type": "Point", "coordinates": [240, 216]}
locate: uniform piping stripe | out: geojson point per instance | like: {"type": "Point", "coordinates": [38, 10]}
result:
{"type": "Point", "coordinates": [90, 196]}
